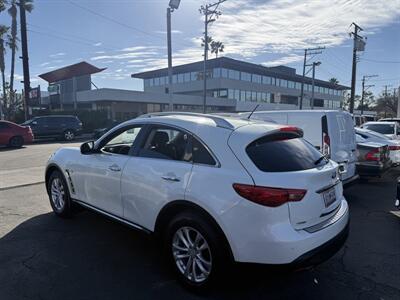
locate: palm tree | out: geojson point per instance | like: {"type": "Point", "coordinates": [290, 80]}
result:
{"type": "Point", "coordinates": [12, 43]}
{"type": "Point", "coordinates": [334, 80]}
{"type": "Point", "coordinates": [3, 32]}
{"type": "Point", "coordinates": [217, 47]}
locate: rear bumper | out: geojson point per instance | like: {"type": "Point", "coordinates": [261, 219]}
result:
{"type": "Point", "coordinates": [350, 181]}
{"type": "Point", "coordinates": [372, 170]}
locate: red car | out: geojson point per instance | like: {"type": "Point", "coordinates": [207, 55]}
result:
{"type": "Point", "coordinates": [14, 135]}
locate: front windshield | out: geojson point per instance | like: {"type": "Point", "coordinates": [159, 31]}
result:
{"type": "Point", "coordinates": [27, 122]}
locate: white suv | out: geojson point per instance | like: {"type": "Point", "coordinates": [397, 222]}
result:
{"type": "Point", "coordinates": [214, 189]}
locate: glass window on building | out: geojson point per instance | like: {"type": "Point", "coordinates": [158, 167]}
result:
{"type": "Point", "coordinates": [224, 73]}
{"type": "Point", "coordinates": [254, 96]}
{"type": "Point", "coordinates": [248, 96]}
{"type": "Point", "coordinates": [194, 76]}
{"type": "Point", "coordinates": [237, 95]}
{"type": "Point", "coordinates": [263, 97]}
{"type": "Point", "coordinates": [216, 72]}
{"type": "Point", "coordinates": [231, 94]}
{"type": "Point", "coordinates": [245, 76]}
{"type": "Point", "coordinates": [223, 93]}
{"type": "Point", "coordinates": [146, 83]}
{"type": "Point", "coordinates": [326, 103]}
{"type": "Point", "coordinates": [266, 80]}
{"type": "Point", "coordinates": [157, 81]}
{"type": "Point", "coordinates": [277, 82]}
{"type": "Point", "coordinates": [233, 74]}
{"type": "Point", "coordinates": [318, 103]}
{"type": "Point", "coordinates": [298, 85]}
{"type": "Point", "coordinates": [174, 78]}
{"type": "Point", "coordinates": [291, 84]}
{"type": "Point", "coordinates": [256, 78]}
{"type": "Point", "coordinates": [283, 83]}
{"type": "Point", "coordinates": [243, 96]}
{"type": "Point", "coordinates": [181, 78]}
{"type": "Point", "coordinates": [272, 100]}
{"type": "Point", "coordinates": [259, 96]}
{"type": "Point", "coordinates": [273, 80]}
{"type": "Point", "coordinates": [187, 77]}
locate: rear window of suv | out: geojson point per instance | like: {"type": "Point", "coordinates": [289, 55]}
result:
{"type": "Point", "coordinates": [381, 128]}
{"type": "Point", "coordinates": [284, 154]}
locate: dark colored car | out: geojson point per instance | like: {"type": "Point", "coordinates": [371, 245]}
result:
{"type": "Point", "coordinates": [14, 135]}
{"type": "Point", "coordinates": [373, 159]}
{"type": "Point", "coordinates": [60, 127]}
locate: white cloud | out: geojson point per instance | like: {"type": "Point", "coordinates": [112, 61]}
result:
{"type": "Point", "coordinates": [98, 44]}
{"type": "Point", "coordinates": [172, 31]}
{"type": "Point", "coordinates": [283, 60]}
{"type": "Point", "coordinates": [282, 26]}
{"type": "Point", "coordinates": [57, 54]}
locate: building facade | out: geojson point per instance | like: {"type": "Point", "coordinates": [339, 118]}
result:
{"type": "Point", "coordinates": [246, 83]}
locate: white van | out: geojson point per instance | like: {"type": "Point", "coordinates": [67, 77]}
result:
{"type": "Point", "coordinates": [330, 131]}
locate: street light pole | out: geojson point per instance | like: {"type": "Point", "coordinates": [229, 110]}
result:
{"type": "Point", "coordinates": [173, 4]}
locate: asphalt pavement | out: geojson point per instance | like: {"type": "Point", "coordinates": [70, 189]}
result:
{"type": "Point", "coordinates": [91, 257]}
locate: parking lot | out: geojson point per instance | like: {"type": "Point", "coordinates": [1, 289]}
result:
{"type": "Point", "coordinates": [91, 257]}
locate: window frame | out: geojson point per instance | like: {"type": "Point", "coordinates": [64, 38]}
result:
{"type": "Point", "coordinates": [106, 138]}
{"type": "Point", "coordinates": [149, 127]}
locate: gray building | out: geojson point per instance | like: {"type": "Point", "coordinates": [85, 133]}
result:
{"type": "Point", "coordinates": [247, 83]}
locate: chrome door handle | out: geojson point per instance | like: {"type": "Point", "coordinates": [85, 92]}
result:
{"type": "Point", "coordinates": [114, 168]}
{"type": "Point", "coordinates": [170, 178]}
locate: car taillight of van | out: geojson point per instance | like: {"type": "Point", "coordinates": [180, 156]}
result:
{"type": "Point", "coordinates": [373, 155]}
{"type": "Point", "coordinates": [326, 144]}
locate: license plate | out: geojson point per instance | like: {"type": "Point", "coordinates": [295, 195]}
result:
{"type": "Point", "coordinates": [329, 197]}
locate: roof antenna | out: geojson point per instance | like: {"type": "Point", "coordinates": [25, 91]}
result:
{"type": "Point", "coordinates": [252, 112]}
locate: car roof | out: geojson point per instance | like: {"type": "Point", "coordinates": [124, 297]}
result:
{"type": "Point", "coordinates": [56, 116]}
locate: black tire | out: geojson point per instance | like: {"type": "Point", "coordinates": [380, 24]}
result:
{"type": "Point", "coordinates": [219, 254]}
{"type": "Point", "coordinates": [64, 210]}
{"type": "Point", "coordinates": [16, 142]}
{"type": "Point", "coordinates": [68, 135]}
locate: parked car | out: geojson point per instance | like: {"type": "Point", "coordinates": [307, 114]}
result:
{"type": "Point", "coordinates": [14, 135]}
{"type": "Point", "coordinates": [373, 158]}
{"type": "Point", "coordinates": [331, 132]}
{"type": "Point", "coordinates": [390, 129]}
{"type": "Point", "coordinates": [397, 120]}
{"type": "Point", "coordinates": [359, 120]}
{"type": "Point", "coordinates": [373, 136]}
{"type": "Point", "coordinates": [63, 127]}
{"type": "Point", "coordinates": [213, 189]}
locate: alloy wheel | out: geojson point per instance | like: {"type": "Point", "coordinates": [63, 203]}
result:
{"type": "Point", "coordinates": [69, 135]}
{"type": "Point", "coordinates": [192, 254]}
{"type": "Point", "coordinates": [57, 194]}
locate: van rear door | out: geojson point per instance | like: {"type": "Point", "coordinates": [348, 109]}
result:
{"type": "Point", "coordinates": [341, 136]}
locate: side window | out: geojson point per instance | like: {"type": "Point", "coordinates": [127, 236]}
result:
{"type": "Point", "coordinates": [41, 121]}
{"type": "Point", "coordinates": [166, 143]}
{"type": "Point", "coordinates": [121, 142]}
{"type": "Point", "coordinates": [201, 155]}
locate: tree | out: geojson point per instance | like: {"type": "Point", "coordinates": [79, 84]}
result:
{"type": "Point", "coordinates": [12, 44]}
{"type": "Point", "coordinates": [3, 33]}
{"type": "Point", "coordinates": [209, 41]}
{"type": "Point", "coordinates": [387, 105]}
{"type": "Point", "coordinates": [217, 47]}
{"type": "Point", "coordinates": [368, 102]}
{"type": "Point", "coordinates": [334, 80]}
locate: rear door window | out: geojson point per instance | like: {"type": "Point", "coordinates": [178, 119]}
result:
{"type": "Point", "coordinates": [284, 154]}
{"type": "Point", "coordinates": [201, 155]}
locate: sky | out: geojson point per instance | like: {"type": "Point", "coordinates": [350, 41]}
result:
{"type": "Point", "coordinates": [129, 36]}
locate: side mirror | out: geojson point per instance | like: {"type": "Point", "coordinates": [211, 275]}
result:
{"type": "Point", "coordinates": [87, 148]}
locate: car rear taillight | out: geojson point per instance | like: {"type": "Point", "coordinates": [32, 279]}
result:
{"type": "Point", "coordinates": [326, 144]}
{"type": "Point", "coordinates": [394, 148]}
{"type": "Point", "coordinates": [267, 196]}
{"type": "Point", "coordinates": [294, 129]}
{"type": "Point", "coordinates": [373, 155]}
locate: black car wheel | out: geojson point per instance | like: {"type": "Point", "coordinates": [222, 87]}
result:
{"type": "Point", "coordinates": [16, 142]}
{"type": "Point", "coordinates": [69, 135]}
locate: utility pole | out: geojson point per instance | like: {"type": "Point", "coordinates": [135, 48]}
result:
{"type": "Point", "coordinates": [173, 4]}
{"type": "Point", "coordinates": [314, 64]}
{"type": "Point", "coordinates": [25, 58]}
{"type": "Point", "coordinates": [364, 88]}
{"type": "Point", "coordinates": [385, 96]}
{"type": "Point", "coordinates": [358, 45]}
{"type": "Point", "coordinates": [210, 15]}
{"type": "Point", "coordinates": [398, 102]}
{"type": "Point", "coordinates": [309, 51]}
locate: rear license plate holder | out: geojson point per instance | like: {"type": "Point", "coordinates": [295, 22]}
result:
{"type": "Point", "coordinates": [329, 197]}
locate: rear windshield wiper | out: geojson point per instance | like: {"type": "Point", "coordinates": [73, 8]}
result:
{"type": "Point", "coordinates": [319, 160]}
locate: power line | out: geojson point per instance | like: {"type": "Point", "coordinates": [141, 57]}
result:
{"type": "Point", "coordinates": [381, 61]}
{"type": "Point", "coordinates": [116, 21]}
